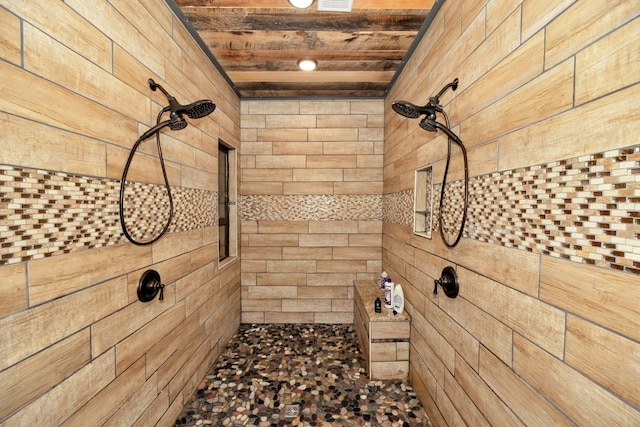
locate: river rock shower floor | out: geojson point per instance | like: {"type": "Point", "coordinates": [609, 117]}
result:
{"type": "Point", "coordinates": [266, 370]}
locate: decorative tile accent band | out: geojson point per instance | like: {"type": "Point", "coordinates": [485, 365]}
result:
{"type": "Point", "coordinates": [584, 209]}
{"type": "Point", "coordinates": [44, 213]}
{"type": "Point", "coordinates": [310, 208]}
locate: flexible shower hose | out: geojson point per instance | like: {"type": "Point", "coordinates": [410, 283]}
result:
{"type": "Point", "coordinates": [166, 183]}
{"type": "Point", "coordinates": [444, 183]}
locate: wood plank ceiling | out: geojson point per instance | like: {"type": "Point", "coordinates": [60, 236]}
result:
{"type": "Point", "coordinates": [258, 44]}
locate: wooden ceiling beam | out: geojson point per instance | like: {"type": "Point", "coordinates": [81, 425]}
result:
{"type": "Point", "coordinates": [310, 40]}
{"type": "Point", "coordinates": [310, 77]}
{"type": "Point", "coordinates": [357, 4]}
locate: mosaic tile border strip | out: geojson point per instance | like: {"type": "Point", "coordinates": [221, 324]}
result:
{"type": "Point", "coordinates": [584, 209]}
{"type": "Point", "coordinates": [310, 207]}
{"type": "Point", "coordinates": [45, 213]}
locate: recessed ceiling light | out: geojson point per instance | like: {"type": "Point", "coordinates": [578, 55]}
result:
{"type": "Point", "coordinates": [307, 64]}
{"type": "Point", "coordinates": [301, 4]}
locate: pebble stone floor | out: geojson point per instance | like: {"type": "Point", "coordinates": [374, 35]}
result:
{"type": "Point", "coordinates": [265, 369]}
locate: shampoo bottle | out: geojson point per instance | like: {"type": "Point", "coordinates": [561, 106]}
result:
{"type": "Point", "coordinates": [398, 299]}
{"type": "Point", "coordinates": [388, 293]}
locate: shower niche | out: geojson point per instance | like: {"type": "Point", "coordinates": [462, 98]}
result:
{"type": "Point", "coordinates": [423, 202]}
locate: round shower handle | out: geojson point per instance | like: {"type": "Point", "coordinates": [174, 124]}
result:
{"type": "Point", "coordinates": [149, 285]}
{"type": "Point", "coordinates": [449, 282]}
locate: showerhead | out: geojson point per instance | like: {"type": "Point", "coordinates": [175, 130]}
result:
{"type": "Point", "coordinates": [407, 109]}
{"type": "Point", "coordinates": [196, 110]}
{"type": "Point", "coordinates": [200, 109]}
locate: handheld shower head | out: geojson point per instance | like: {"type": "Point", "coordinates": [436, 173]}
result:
{"type": "Point", "coordinates": [428, 124]}
{"type": "Point", "coordinates": [195, 110]}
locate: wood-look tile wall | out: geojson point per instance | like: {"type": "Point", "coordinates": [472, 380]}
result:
{"type": "Point", "coordinates": [77, 347]}
{"type": "Point", "coordinates": [310, 207]}
{"type": "Point", "coordinates": [537, 336]}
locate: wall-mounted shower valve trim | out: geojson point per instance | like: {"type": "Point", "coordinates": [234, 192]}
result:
{"type": "Point", "coordinates": [449, 282]}
{"type": "Point", "coordinates": [149, 286]}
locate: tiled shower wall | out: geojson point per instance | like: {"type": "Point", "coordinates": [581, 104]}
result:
{"type": "Point", "coordinates": [77, 347]}
{"type": "Point", "coordinates": [545, 328]}
{"type": "Point", "coordinates": [310, 207]}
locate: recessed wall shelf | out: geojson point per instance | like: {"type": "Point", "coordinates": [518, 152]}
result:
{"type": "Point", "coordinates": [423, 202]}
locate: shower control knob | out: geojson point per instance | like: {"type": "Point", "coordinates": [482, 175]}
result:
{"type": "Point", "coordinates": [449, 282]}
{"type": "Point", "coordinates": [149, 286]}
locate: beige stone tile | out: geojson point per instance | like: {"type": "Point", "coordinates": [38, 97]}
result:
{"type": "Point", "coordinates": [531, 407]}
{"type": "Point", "coordinates": [333, 293]}
{"type": "Point", "coordinates": [608, 64]}
{"type": "Point", "coordinates": [363, 174]}
{"type": "Point", "coordinates": [320, 253]}
{"type": "Point", "coordinates": [261, 253]}
{"type": "Point", "coordinates": [291, 266]}
{"type": "Point", "coordinates": [333, 227]}
{"type": "Point", "coordinates": [466, 409]}
{"type": "Point", "coordinates": [587, 22]}
{"type": "Point", "coordinates": [562, 136]}
{"type": "Point", "coordinates": [257, 147]}
{"type": "Point", "coordinates": [281, 279]}
{"type": "Point", "coordinates": [352, 147]}
{"type": "Point", "coordinates": [324, 240]}
{"type": "Point", "coordinates": [257, 188]}
{"type": "Point", "coordinates": [580, 398]}
{"type": "Point", "coordinates": [308, 148]}
{"type": "Point", "coordinates": [357, 253]}
{"type": "Point", "coordinates": [333, 317]}
{"type": "Point", "coordinates": [580, 289]}
{"type": "Point", "coordinates": [301, 227]}
{"type": "Point", "coordinates": [28, 379]}
{"type": "Point", "coordinates": [484, 397]}
{"type": "Point", "coordinates": [335, 266]}
{"type": "Point", "coordinates": [13, 288]}
{"type": "Point", "coordinates": [331, 162]}
{"type": "Point", "coordinates": [10, 40]}
{"type": "Point", "coordinates": [267, 175]}
{"type": "Point", "coordinates": [291, 135]}
{"type": "Point", "coordinates": [355, 187]}
{"type": "Point", "coordinates": [341, 121]}
{"type": "Point", "coordinates": [281, 162]}
{"type": "Point", "coordinates": [273, 240]}
{"type": "Point", "coordinates": [306, 305]}
{"type": "Point", "coordinates": [252, 121]}
{"type": "Point", "coordinates": [73, 153]}
{"type": "Point", "coordinates": [333, 134]}
{"type": "Point", "coordinates": [134, 346]}
{"type": "Point", "coordinates": [540, 322]}
{"type": "Point", "coordinates": [270, 107]}
{"type": "Point", "coordinates": [313, 175]}
{"type": "Point", "coordinates": [272, 292]}
{"type": "Point", "coordinates": [331, 279]}
{"type": "Point", "coordinates": [308, 188]}
{"type": "Point", "coordinates": [608, 358]}
{"type": "Point", "coordinates": [325, 107]}
{"type": "Point", "coordinates": [28, 332]}
{"type": "Point", "coordinates": [285, 121]}
{"type": "Point", "coordinates": [70, 395]}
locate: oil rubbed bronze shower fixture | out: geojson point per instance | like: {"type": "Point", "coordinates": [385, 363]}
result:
{"type": "Point", "coordinates": [176, 121]}
{"type": "Point", "coordinates": [431, 124]}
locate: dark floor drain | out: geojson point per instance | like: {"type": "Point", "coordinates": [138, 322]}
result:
{"type": "Point", "coordinates": [291, 411]}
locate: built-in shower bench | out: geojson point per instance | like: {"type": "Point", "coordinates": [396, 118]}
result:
{"type": "Point", "coordinates": [383, 337]}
